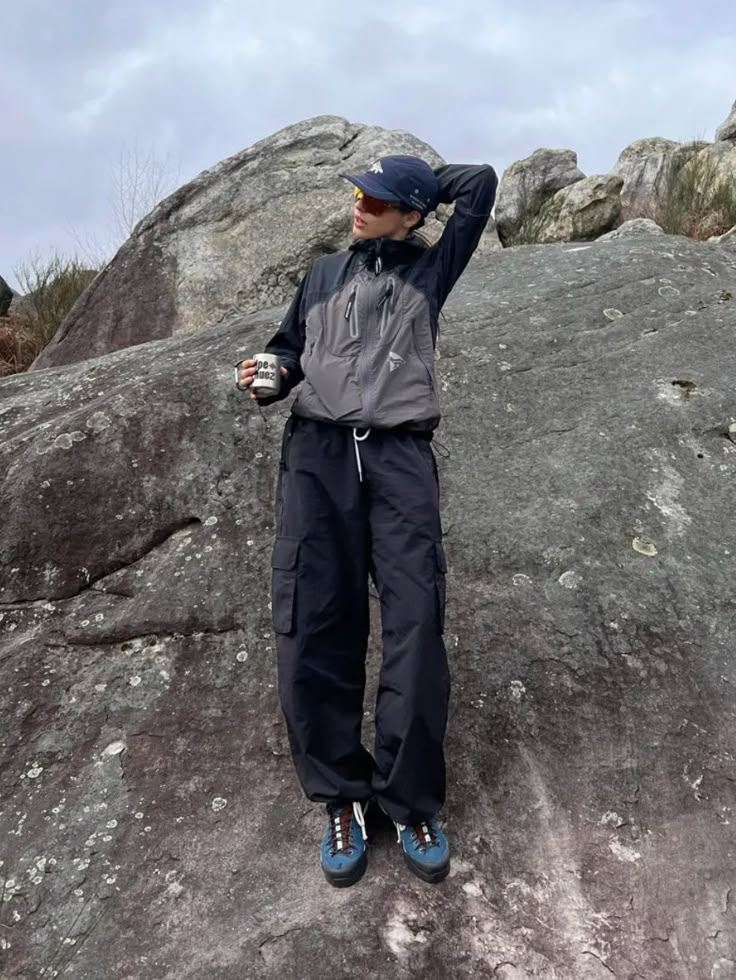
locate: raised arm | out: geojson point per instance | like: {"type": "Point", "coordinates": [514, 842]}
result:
{"type": "Point", "coordinates": [473, 190]}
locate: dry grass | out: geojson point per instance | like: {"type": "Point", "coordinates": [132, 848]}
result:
{"type": "Point", "coordinates": [18, 346]}
{"type": "Point", "coordinates": [697, 201]}
{"type": "Point", "coordinates": [51, 287]}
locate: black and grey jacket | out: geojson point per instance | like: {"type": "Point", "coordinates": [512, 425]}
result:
{"type": "Point", "coordinates": [361, 331]}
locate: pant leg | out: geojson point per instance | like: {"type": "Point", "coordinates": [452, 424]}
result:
{"type": "Point", "coordinates": [320, 609]}
{"type": "Point", "coordinates": [409, 570]}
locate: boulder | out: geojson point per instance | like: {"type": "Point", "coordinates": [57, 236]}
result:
{"type": "Point", "coordinates": [719, 162]}
{"type": "Point", "coordinates": [235, 239]}
{"type": "Point", "coordinates": [6, 297]}
{"type": "Point", "coordinates": [648, 167]}
{"type": "Point", "coordinates": [489, 242]}
{"type": "Point", "coordinates": [151, 823]}
{"type": "Point", "coordinates": [727, 130]}
{"type": "Point", "coordinates": [524, 188]}
{"type": "Point", "coordinates": [581, 212]}
{"type": "Point", "coordinates": [635, 226]}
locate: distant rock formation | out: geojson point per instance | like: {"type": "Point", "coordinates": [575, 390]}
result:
{"type": "Point", "coordinates": [580, 212]}
{"type": "Point", "coordinates": [688, 188]}
{"type": "Point", "coordinates": [647, 167]}
{"type": "Point", "coordinates": [526, 186]}
{"type": "Point", "coordinates": [635, 226]}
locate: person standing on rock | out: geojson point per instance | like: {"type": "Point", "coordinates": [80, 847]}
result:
{"type": "Point", "coordinates": [358, 495]}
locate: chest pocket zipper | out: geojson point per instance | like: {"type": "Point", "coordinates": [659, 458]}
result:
{"type": "Point", "coordinates": [352, 320]}
{"type": "Point", "coordinates": [384, 303]}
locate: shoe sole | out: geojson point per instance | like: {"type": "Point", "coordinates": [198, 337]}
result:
{"type": "Point", "coordinates": [346, 880]}
{"type": "Point", "coordinates": [433, 877]}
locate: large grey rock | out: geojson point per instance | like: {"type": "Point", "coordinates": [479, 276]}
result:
{"type": "Point", "coordinates": [581, 212]}
{"type": "Point", "coordinates": [235, 239]}
{"type": "Point", "coordinates": [721, 159]}
{"type": "Point", "coordinates": [150, 823]}
{"type": "Point", "coordinates": [524, 188]}
{"type": "Point", "coordinates": [635, 226]}
{"type": "Point", "coordinates": [648, 167]}
{"type": "Point", "coordinates": [727, 130]}
{"type": "Point", "coordinates": [642, 164]}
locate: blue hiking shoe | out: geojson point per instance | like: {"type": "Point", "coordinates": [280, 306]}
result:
{"type": "Point", "coordinates": [344, 851]}
{"type": "Point", "coordinates": [426, 849]}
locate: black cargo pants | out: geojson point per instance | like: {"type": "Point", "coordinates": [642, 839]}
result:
{"type": "Point", "coordinates": [347, 509]}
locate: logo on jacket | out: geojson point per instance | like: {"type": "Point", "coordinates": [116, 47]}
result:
{"type": "Point", "coordinates": [377, 168]}
{"type": "Point", "coordinates": [394, 361]}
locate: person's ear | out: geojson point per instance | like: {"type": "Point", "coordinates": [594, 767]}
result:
{"type": "Point", "coordinates": [411, 218]}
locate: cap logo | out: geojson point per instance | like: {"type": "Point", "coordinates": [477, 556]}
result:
{"type": "Point", "coordinates": [377, 168]}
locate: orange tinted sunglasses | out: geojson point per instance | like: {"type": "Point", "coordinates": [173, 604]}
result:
{"type": "Point", "coordinates": [372, 204]}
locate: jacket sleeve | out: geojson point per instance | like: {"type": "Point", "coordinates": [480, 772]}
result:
{"type": "Point", "coordinates": [288, 343]}
{"type": "Point", "coordinates": [473, 189]}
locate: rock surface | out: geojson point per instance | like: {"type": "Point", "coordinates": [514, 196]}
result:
{"type": "Point", "coordinates": [722, 158]}
{"type": "Point", "coordinates": [727, 131]}
{"type": "Point", "coordinates": [729, 238]}
{"type": "Point", "coordinates": [635, 226]}
{"type": "Point", "coordinates": [489, 242]}
{"type": "Point", "coordinates": [150, 823]}
{"type": "Point", "coordinates": [581, 212]}
{"type": "Point", "coordinates": [647, 167]}
{"type": "Point", "coordinates": [235, 239]}
{"type": "Point", "coordinates": [524, 188]}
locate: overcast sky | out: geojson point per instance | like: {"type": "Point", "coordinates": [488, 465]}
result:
{"type": "Point", "coordinates": [198, 80]}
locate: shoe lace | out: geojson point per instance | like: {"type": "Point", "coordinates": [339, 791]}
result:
{"type": "Point", "coordinates": [341, 820]}
{"type": "Point", "coordinates": [424, 835]}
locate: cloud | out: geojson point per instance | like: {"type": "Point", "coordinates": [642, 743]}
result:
{"type": "Point", "coordinates": [105, 83]}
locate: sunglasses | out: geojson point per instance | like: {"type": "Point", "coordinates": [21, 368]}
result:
{"type": "Point", "coordinates": [375, 206]}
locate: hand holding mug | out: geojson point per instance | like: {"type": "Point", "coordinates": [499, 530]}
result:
{"type": "Point", "coordinates": [263, 374]}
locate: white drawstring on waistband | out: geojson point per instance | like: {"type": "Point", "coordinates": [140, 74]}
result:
{"type": "Point", "coordinates": [356, 440]}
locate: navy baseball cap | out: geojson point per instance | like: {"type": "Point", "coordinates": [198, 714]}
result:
{"type": "Point", "coordinates": [405, 179]}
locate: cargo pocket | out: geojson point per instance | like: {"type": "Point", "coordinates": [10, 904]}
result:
{"type": "Point", "coordinates": [441, 582]}
{"type": "Point", "coordinates": [283, 587]}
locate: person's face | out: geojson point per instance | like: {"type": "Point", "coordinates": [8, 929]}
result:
{"type": "Point", "coordinates": [378, 219]}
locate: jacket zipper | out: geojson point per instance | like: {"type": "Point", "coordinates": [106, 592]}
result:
{"type": "Point", "coordinates": [363, 377]}
{"type": "Point", "coordinates": [378, 265]}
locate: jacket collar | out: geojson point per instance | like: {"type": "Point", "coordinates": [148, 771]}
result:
{"type": "Point", "coordinates": [385, 253]}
